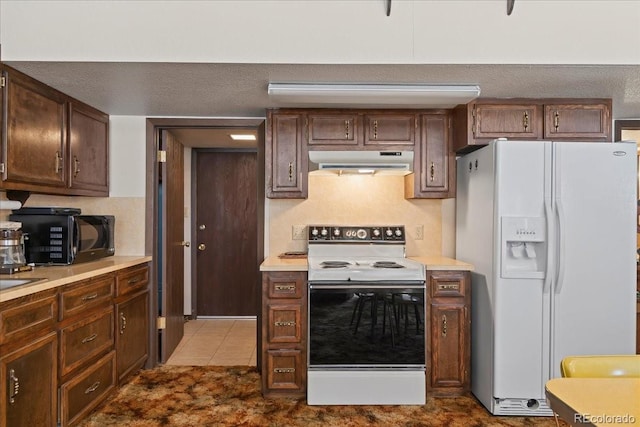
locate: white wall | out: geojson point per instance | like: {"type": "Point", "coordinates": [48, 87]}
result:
{"type": "Point", "coordinates": [323, 31]}
{"type": "Point", "coordinates": [127, 136]}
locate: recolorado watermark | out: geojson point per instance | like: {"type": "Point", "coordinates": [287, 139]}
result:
{"type": "Point", "coordinates": [604, 419]}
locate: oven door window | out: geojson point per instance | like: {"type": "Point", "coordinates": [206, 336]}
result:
{"type": "Point", "coordinates": [364, 327]}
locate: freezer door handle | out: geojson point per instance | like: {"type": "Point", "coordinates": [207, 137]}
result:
{"type": "Point", "coordinates": [547, 275]}
{"type": "Point", "coordinates": [561, 245]}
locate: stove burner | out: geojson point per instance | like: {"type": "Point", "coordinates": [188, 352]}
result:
{"type": "Point", "coordinates": [387, 264]}
{"type": "Point", "coordinates": [334, 264]}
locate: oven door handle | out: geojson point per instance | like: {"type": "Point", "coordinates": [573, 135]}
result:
{"type": "Point", "coordinates": [369, 285]}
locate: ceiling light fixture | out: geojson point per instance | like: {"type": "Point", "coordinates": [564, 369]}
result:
{"type": "Point", "coordinates": [372, 95]}
{"type": "Point", "coordinates": [243, 137]}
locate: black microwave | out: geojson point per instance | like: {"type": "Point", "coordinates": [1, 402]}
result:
{"type": "Point", "coordinates": [63, 236]}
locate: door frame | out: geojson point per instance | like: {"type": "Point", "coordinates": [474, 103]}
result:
{"type": "Point", "coordinates": [154, 127]}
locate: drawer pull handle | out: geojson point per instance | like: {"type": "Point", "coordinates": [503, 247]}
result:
{"type": "Point", "coordinates": [444, 325]}
{"type": "Point", "coordinates": [89, 338]}
{"type": "Point", "coordinates": [123, 323]}
{"type": "Point", "coordinates": [285, 287]}
{"type": "Point", "coordinates": [445, 287]}
{"type": "Point", "coordinates": [285, 323]}
{"type": "Point", "coordinates": [92, 388]}
{"type": "Point", "coordinates": [284, 370]}
{"type": "Point", "coordinates": [133, 281]}
{"type": "Point", "coordinates": [14, 386]}
{"type": "Point", "coordinates": [90, 297]}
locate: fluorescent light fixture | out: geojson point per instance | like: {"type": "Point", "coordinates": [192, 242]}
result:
{"type": "Point", "coordinates": [243, 137]}
{"type": "Point", "coordinates": [372, 95]}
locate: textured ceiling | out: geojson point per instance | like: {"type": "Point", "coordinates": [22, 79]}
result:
{"type": "Point", "coordinates": [240, 90]}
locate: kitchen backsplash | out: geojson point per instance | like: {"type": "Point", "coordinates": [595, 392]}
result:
{"type": "Point", "coordinates": [129, 213]}
{"type": "Point", "coordinates": [366, 200]}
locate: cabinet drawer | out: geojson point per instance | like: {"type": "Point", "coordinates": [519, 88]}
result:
{"type": "Point", "coordinates": [284, 323]}
{"type": "Point", "coordinates": [132, 280]}
{"type": "Point", "coordinates": [285, 284]}
{"type": "Point", "coordinates": [285, 370]}
{"type": "Point", "coordinates": [85, 391]}
{"type": "Point", "coordinates": [27, 316]}
{"type": "Point", "coordinates": [448, 284]}
{"type": "Point", "coordinates": [85, 339]}
{"type": "Point", "coordinates": [85, 295]}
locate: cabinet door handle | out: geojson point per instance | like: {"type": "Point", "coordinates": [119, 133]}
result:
{"type": "Point", "coordinates": [284, 323]}
{"type": "Point", "coordinates": [346, 129]}
{"type": "Point", "coordinates": [444, 325]}
{"type": "Point", "coordinates": [443, 287]}
{"type": "Point", "coordinates": [290, 171]}
{"type": "Point", "coordinates": [284, 370]}
{"type": "Point", "coordinates": [90, 297]}
{"type": "Point", "coordinates": [89, 338]}
{"type": "Point", "coordinates": [432, 172]}
{"type": "Point", "coordinates": [92, 387]}
{"type": "Point", "coordinates": [285, 287]}
{"type": "Point", "coordinates": [58, 163]}
{"type": "Point", "coordinates": [123, 323]}
{"type": "Point", "coordinates": [556, 120]}
{"type": "Point", "coordinates": [525, 121]}
{"type": "Point", "coordinates": [76, 166]}
{"type": "Point", "coordinates": [375, 129]}
{"type": "Point", "coordinates": [14, 386]}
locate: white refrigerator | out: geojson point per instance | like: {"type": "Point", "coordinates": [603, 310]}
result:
{"type": "Point", "coordinates": [551, 230]}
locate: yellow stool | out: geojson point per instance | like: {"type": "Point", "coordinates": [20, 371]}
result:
{"type": "Point", "coordinates": [601, 366]}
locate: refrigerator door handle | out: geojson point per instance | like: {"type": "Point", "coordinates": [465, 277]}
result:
{"type": "Point", "coordinates": [547, 275]}
{"type": "Point", "coordinates": [561, 245]}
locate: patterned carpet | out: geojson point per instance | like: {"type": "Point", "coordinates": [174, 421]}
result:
{"type": "Point", "coordinates": [230, 396]}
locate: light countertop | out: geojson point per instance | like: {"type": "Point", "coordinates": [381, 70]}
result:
{"type": "Point", "coordinates": [300, 264]}
{"type": "Point", "coordinates": [54, 276]}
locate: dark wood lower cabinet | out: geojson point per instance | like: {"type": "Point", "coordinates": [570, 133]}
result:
{"type": "Point", "coordinates": [132, 323]}
{"type": "Point", "coordinates": [448, 332]}
{"type": "Point", "coordinates": [63, 350]}
{"type": "Point", "coordinates": [29, 384]}
{"type": "Point", "coordinates": [284, 332]}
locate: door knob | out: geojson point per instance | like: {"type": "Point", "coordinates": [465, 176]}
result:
{"type": "Point", "coordinates": [202, 227]}
{"type": "Point", "coordinates": [202, 247]}
{"type": "Point", "coordinates": [185, 244]}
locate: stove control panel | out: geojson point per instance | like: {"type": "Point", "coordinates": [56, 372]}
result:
{"type": "Point", "coordinates": [356, 233]}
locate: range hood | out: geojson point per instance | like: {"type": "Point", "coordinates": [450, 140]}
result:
{"type": "Point", "coordinates": [361, 162]}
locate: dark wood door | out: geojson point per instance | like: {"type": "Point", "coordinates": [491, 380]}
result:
{"type": "Point", "coordinates": [226, 225]}
{"type": "Point", "coordinates": [172, 258]}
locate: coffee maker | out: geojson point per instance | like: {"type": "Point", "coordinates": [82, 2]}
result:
{"type": "Point", "coordinates": [12, 259]}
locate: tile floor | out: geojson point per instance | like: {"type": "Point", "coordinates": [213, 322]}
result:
{"type": "Point", "coordinates": [220, 342]}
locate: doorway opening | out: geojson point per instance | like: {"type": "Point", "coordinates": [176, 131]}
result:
{"type": "Point", "coordinates": [193, 135]}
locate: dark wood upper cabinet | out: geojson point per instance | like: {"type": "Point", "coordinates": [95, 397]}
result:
{"type": "Point", "coordinates": [286, 156]}
{"type": "Point", "coordinates": [35, 137]}
{"type": "Point", "coordinates": [578, 121]}
{"type": "Point", "coordinates": [51, 143]}
{"type": "Point", "coordinates": [389, 128]}
{"type": "Point", "coordinates": [334, 128]}
{"type": "Point", "coordinates": [88, 150]}
{"type": "Point", "coordinates": [434, 161]}
{"type": "Point", "coordinates": [480, 121]}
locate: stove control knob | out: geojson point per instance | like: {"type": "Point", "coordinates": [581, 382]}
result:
{"type": "Point", "coordinates": [398, 232]}
{"type": "Point", "coordinates": [314, 232]}
{"type": "Point", "coordinates": [361, 233]}
{"type": "Point", "coordinates": [389, 232]}
{"type": "Point", "coordinates": [376, 232]}
{"type": "Point", "coordinates": [336, 232]}
{"type": "Point", "coordinates": [324, 232]}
